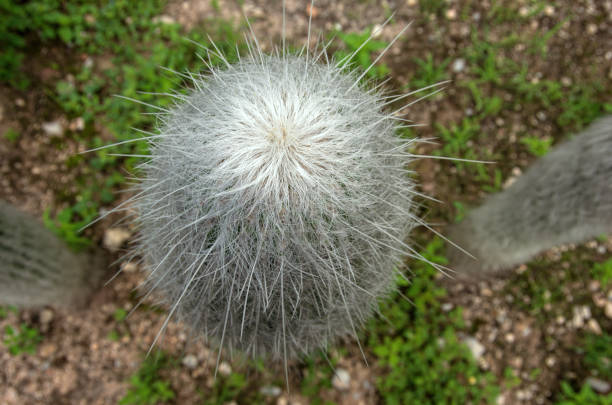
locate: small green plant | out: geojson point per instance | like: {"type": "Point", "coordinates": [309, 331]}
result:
{"type": "Point", "coordinates": [457, 140]}
{"type": "Point", "coordinates": [585, 396]}
{"type": "Point", "coordinates": [432, 7]}
{"type": "Point", "coordinates": [11, 135]}
{"type": "Point", "coordinates": [70, 220]}
{"type": "Point", "coordinates": [231, 387]}
{"type": "Point", "coordinates": [581, 106]}
{"type": "Point", "coordinates": [459, 211]}
{"type": "Point", "coordinates": [539, 44]}
{"type": "Point", "coordinates": [364, 58]}
{"type": "Point", "coordinates": [420, 369]}
{"type": "Point", "coordinates": [113, 335]}
{"type": "Point", "coordinates": [23, 339]}
{"type": "Point", "coordinates": [603, 272]}
{"type": "Point", "coordinates": [120, 314]}
{"type": "Point", "coordinates": [317, 376]}
{"type": "Point", "coordinates": [598, 354]}
{"type": "Point", "coordinates": [146, 387]}
{"type": "Point", "coordinates": [536, 146]}
{"type": "Point", "coordinates": [428, 72]}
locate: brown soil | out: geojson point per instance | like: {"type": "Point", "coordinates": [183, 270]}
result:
{"type": "Point", "coordinates": [78, 364]}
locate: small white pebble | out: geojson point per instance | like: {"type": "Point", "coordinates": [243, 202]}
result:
{"type": "Point", "coordinates": [225, 369]}
{"type": "Point", "coordinates": [53, 128]}
{"type": "Point", "coordinates": [475, 346]}
{"type": "Point", "coordinates": [270, 391]}
{"type": "Point", "coordinates": [458, 65]}
{"type": "Point", "coordinates": [341, 379]}
{"type": "Point", "coordinates": [190, 361]}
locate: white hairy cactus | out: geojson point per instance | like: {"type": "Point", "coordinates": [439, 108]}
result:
{"type": "Point", "coordinates": [275, 205]}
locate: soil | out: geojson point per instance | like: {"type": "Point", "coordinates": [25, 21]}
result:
{"type": "Point", "coordinates": [78, 364]}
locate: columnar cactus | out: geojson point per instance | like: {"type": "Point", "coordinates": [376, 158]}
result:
{"type": "Point", "coordinates": [37, 269]}
{"type": "Point", "coordinates": [275, 205]}
{"type": "Point", "coordinates": [565, 197]}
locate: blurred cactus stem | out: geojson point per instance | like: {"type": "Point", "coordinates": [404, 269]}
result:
{"type": "Point", "coordinates": [38, 269]}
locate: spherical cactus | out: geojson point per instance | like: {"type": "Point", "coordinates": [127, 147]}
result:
{"type": "Point", "coordinates": [275, 204]}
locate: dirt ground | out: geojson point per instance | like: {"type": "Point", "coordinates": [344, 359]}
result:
{"type": "Point", "coordinates": [78, 364]}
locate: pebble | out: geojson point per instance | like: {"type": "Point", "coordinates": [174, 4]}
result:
{"type": "Point", "coordinates": [270, 391]}
{"type": "Point", "coordinates": [608, 309]}
{"type": "Point", "coordinates": [190, 361]}
{"type": "Point", "coordinates": [19, 102]}
{"type": "Point", "coordinates": [77, 124]}
{"type": "Point", "coordinates": [594, 327]}
{"type": "Point", "coordinates": [115, 237]}
{"type": "Point", "coordinates": [475, 346]}
{"type": "Point", "coordinates": [53, 128]}
{"type": "Point", "coordinates": [581, 314]}
{"type": "Point", "coordinates": [129, 267]}
{"type": "Point", "coordinates": [458, 65]}
{"type": "Point", "coordinates": [164, 19]}
{"type": "Point", "coordinates": [451, 13]}
{"type": "Point", "coordinates": [225, 369]}
{"type": "Point", "coordinates": [46, 316]}
{"type": "Point", "coordinates": [341, 379]}
{"type": "Point", "coordinates": [594, 285]}
{"type": "Point", "coordinates": [599, 386]}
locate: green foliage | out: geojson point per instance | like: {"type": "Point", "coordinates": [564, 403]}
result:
{"type": "Point", "coordinates": [126, 45]}
{"type": "Point", "coordinates": [432, 7]}
{"type": "Point", "coordinates": [598, 354]}
{"type": "Point", "coordinates": [458, 140]}
{"type": "Point", "coordinates": [483, 60]}
{"type": "Point", "coordinates": [536, 146]}
{"type": "Point", "coordinates": [581, 106]}
{"type": "Point", "coordinates": [69, 221]}
{"type": "Point", "coordinates": [231, 387]}
{"type": "Point", "coordinates": [603, 272]}
{"type": "Point", "coordinates": [146, 388]}
{"type": "Point", "coordinates": [424, 359]}
{"type": "Point", "coordinates": [23, 339]}
{"type": "Point", "coordinates": [539, 44]}
{"type": "Point", "coordinates": [428, 72]}
{"type": "Point", "coordinates": [120, 314]}
{"type": "Point", "coordinates": [113, 335]}
{"type": "Point", "coordinates": [459, 211]}
{"type": "Point", "coordinates": [364, 56]}
{"type": "Point", "coordinates": [586, 396]}
{"type": "Point", "coordinates": [11, 135]}
{"type": "Point", "coordinates": [4, 311]}
{"type": "Point", "coordinates": [318, 375]}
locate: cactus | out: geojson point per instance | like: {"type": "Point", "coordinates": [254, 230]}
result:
{"type": "Point", "coordinates": [275, 204]}
{"type": "Point", "coordinates": [565, 197]}
{"type": "Point", "coordinates": [37, 269]}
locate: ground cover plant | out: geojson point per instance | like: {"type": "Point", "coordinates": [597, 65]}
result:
{"type": "Point", "coordinates": [525, 75]}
